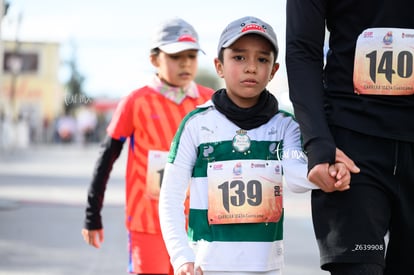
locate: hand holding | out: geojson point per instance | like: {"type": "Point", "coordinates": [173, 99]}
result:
{"type": "Point", "coordinates": [340, 156]}
{"type": "Point", "coordinates": [321, 175]}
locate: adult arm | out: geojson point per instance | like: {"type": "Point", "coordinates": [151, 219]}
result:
{"type": "Point", "coordinates": [305, 37]}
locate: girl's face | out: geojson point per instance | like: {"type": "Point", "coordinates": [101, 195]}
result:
{"type": "Point", "coordinates": [248, 66]}
{"type": "Point", "coordinates": [178, 69]}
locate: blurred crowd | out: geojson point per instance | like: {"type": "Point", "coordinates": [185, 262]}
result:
{"type": "Point", "coordinates": [83, 126]}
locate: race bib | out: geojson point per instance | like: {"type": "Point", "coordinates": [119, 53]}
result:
{"type": "Point", "coordinates": [155, 171]}
{"type": "Point", "coordinates": [244, 191]}
{"type": "Point", "coordinates": [384, 62]}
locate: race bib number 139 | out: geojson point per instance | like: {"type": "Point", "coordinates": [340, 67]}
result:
{"type": "Point", "coordinates": [384, 62]}
{"type": "Point", "coordinates": [244, 191]}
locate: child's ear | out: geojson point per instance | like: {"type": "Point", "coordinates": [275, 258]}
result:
{"type": "Point", "coordinates": [154, 60]}
{"type": "Point", "coordinates": [219, 67]}
{"type": "Point", "coordinates": [274, 70]}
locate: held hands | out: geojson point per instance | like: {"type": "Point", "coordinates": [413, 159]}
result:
{"type": "Point", "coordinates": [93, 237]}
{"type": "Point", "coordinates": [188, 269]}
{"type": "Point", "coordinates": [334, 177]}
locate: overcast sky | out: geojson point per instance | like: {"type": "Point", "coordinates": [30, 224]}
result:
{"type": "Point", "coordinates": [112, 37]}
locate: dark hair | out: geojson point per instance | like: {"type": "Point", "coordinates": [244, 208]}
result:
{"type": "Point", "coordinates": [155, 51]}
{"type": "Point", "coordinates": [220, 55]}
{"type": "Point", "coordinates": [276, 53]}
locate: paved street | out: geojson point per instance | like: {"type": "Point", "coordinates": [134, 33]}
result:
{"type": "Point", "coordinates": [42, 198]}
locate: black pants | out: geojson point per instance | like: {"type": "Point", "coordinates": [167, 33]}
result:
{"type": "Point", "coordinates": [350, 226]}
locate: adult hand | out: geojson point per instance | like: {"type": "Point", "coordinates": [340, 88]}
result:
{"type": "Point", "coordinates": [93, 237]}
{"type": "Point", "coordinates": [340, 172]}
{"type": "Point", "coordinates": [335, 177]}
{"type": "Point", "coordinates": [340, 156]}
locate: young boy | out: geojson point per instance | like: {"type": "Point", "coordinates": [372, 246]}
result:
{"type": "Point", "coordinates": [148, 117]}
{"type": "Point", "coordinates": [234, 149]}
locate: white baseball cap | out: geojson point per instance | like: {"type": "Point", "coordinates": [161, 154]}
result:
{"type": "Point", "coordinates": [175, 35]}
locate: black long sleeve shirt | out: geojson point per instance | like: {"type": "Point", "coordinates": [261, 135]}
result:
{"type": "Point", "coordinates": [323, 95]}
{"type": "Point", "coordinates": [110, 151]}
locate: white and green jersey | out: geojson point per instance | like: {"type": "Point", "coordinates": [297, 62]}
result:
{"type": "Point", "coordinates": [235, 220]}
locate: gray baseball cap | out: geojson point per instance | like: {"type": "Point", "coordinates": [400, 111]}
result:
{"type": "Point", "coordinates": [246, 25]}
{"type": "Point", "coordinates": [175, 35]}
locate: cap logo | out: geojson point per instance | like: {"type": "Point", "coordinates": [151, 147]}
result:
{"type": "Point", "coordinates": [186, 38]}
{"type": "Point", "coordinates": [253, 27]}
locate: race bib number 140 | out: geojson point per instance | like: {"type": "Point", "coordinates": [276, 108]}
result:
{"type": "Point", "coordinates": [384, 62]}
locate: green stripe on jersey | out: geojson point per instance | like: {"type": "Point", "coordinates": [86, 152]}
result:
{"type": "Point", "coordinates": [246, 232]}
{"type": "Point", "coordinates": [223, 150]}
{"type": "Point", "coordinates": [176, 139]}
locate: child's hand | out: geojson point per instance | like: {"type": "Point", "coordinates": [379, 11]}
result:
{"type": "Point", "coordinates": [93, 237]}
{"type": "Point", "coordinates": [188, 269]}
{"type": "Point", "coordinates": [340, 172]}
{"type": "Point", "coordinates": [324, 176]}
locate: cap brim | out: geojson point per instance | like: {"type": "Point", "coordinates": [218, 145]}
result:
{"type": "Point", "coordinates": [179, 47]}
{"type": "Point", "coordinates": [234, 39]}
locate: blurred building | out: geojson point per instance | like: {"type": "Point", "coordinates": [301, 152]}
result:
{"type": "Point", "coordinates": [30, 88]}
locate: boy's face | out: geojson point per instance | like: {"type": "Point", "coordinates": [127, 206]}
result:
{"type": "Point", "coordinates": [248, 66]}
{"type": "Point", "coordinates": [178, 69]}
